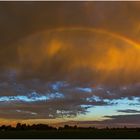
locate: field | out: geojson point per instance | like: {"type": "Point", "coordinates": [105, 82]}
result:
{"type": "Point", "coordinates": [77, 134]}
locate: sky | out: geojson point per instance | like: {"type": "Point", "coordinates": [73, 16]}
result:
{"type": "Point", "coordinates": [70, 63]}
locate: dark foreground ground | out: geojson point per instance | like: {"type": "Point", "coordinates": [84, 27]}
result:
{"type": "Point", "coordinates": [79, 134]}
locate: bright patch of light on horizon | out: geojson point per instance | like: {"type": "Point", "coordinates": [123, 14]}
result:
{"type": "Point", "coordinates": [99, 112]}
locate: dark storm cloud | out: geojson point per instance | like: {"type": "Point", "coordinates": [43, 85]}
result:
{"type": "Point", "coordinates": [18, 19]}
{"type": "Point", "coordinates": [40, 15]}
{"type": "Point", "coordinates": [43, 16]}
{"type": "Point", "coordinates": [79, 54]}
{"type": "Point", "coordinates": [97, 68]}
{"type": "Point", "coordinates": [129, 111]}
{"type": "Point", "coordinates": [130, 119]}
{"type": "Point", "coordinates": [108, 92]}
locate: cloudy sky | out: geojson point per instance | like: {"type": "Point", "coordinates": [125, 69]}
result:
{"type": "Point", "coordinates": [70, 63]}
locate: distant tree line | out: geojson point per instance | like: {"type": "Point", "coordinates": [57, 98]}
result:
{"type": "Point", "coordinates": [20, 126]}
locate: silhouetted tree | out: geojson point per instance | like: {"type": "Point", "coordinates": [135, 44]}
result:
{"type": "Point", "coordinates": [18, 126]}
{"type": "Point", "coordinates": [3, 127]}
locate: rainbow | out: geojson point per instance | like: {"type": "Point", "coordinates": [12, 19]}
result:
{"type": "Point", "coordinates": [99, 31]}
